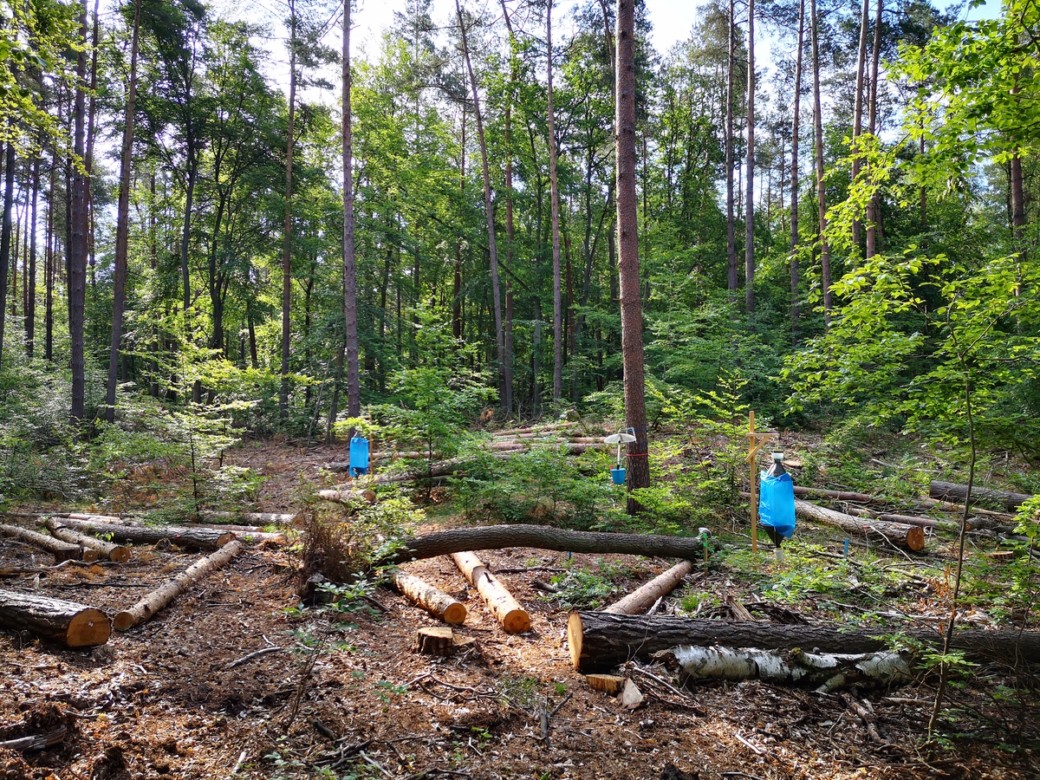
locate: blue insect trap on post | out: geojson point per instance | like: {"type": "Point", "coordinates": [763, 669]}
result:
{"type": "Point", "coordinates": [619, 473]}
{"type": "Point", "coordinates": [358, 456]}
{"type": "Point", "coordinates": [776, 503]}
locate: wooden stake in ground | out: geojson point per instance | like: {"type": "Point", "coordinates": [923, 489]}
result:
{"type": "Point", "coordinates": [599, 641]}
{"type": "Point", "coordinates": [436, 602]}
{"type": "Point", "coordinates": [510, 614]}
{"type": "Point", "coordinates": [62, 551]}
{"type": "Point", "coordinates": [183, 536]}
{"type": "Point", "coordinates": [114, 552]}
{"type": "Point", "coordinates": [908, 537]}
{"type": "Point", "coordinates": [73, 625]}
{"type": "Point", "coordinates": [162, 596]}
{"type": "Point", "coordinates": [639, 601]}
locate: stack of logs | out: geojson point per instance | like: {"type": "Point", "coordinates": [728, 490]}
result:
{"type": "Point", "coordinates": [74, 537]}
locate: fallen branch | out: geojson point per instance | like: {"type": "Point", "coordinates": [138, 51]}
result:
{"type": "Point", "coordinates": [255, 654]}
{"type": "Point", "coordinates": [162, 596]}
{"type": "Point", "coordinates": [346, 496]}
{"type": "Point", "coordinates": [37, 741]}
{"type": "Point", "coordinates": [72, 624]}
{"type": "Point", "coordinates": [639, 601]}
{"type": "Point", "coordinates": [837, 495]}
{"type": "Point", "coordinates": [599, 641]}
{"type": "Point", "coordinates": [62, 551]}
{"type": "Point", "coordinates": [507, 610]}
{"type": "Point", "coordinates": [495, 537]}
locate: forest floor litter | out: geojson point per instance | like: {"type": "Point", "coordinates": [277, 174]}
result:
{"type": "Point", "coordinates": [233, 679]}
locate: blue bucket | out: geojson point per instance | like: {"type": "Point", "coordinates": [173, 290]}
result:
{"type": "Point", "coordinates": [617, 476]}
{"type": "Point", "coordinates": [358, 456]}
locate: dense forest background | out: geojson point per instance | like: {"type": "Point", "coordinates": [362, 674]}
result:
{"type": "Point", "coordinates": [847, 235]}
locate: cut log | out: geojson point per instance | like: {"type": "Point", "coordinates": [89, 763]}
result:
{"type": "Point", "coordinates": [608, 683]}
{"type": "Point", "coordinates": [837, 495]}
{"type": "Point", "coordinates": [495, 537]}
{"type": "Point", "coordinates": [599, 641]}
{"type": "Point", "coordinates": [436, 602]}
{"type": "Point", "coordinates": [949, 506]}
{"type": "Point", "coordinates": [923, 522]}
{"type": "Point", "coordinates": [73, 625]}
{"type": "Point", "coordinates": [437, 640]}
{"type": "Point", "coordinates": [908, 537]}
{"type": "Point", "coordinates": [826, 672]}
{"type": "Point", "coordinates": [110, 550]}
{"type": "Point", "coordinates": [1005, 499]}
{"type": "Point", "coordinates": [61, 550]}
{"type": "Point", "coordinates": [163, 595]}
{"type": "Point", "coordinates": [252, 518]}
{"type": "Point", "coordinates": [639, 601]}
{"type": "Point", "coordinates": [347, 496]}
{"type": "Point", "coordinates": [510, 614]}
{"type": "Point", "coordinates": [183, 536]}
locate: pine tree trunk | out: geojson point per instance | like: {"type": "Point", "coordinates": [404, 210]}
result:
{"type": "Point", "coordinates": [349, 264]}
{"type": "Point", "coordinates": [795, 178]}
{"type": "Point", "coordinates": [731, 239]}
{"type": "Point", "coordinates": [857, 112]}
{"type": "Point", "coordinates": [287, 222]}
{"type": "Point", "coordinates": [5, 238]}
{"type": "Point", "coordinates": [821, 193]}
{"type": "Point", "coordinates": [30, 273]}
{"type": "Point", "coordinates": [78, 249]}
{"type": "Point", "coordinates": [49, 271]}
{"type": "Point", "coordinates": [628, 251]}
{"type": "Point", "coordinates": [122, 225]}
{"type": "Point", "coordinates": [873, 212]}
{"type": "Point", "coordinates": [554, 197]}
{"type": "Point", "coordinates": [749, 180]}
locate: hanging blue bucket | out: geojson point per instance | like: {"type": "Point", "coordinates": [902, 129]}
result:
{"type": "Point", "coordinates": [617, 476]}
{"type": "Point", "coordinates": [358, 456]}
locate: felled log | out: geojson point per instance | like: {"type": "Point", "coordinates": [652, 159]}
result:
{"type": "Point", "coordinates": [923, 522]}
{"type": "Point", "coordinates": [506, 609]}
{"type": "Point", "coordinates": [71, 624]}
{"type": "Point", "coordinates": [114, 552]}
{"type": "Point", "coordinates": [836, 495]}
{"type": "Point", "coordinates": [949, 506]}
{"type": "Point", "coordinates": [182, 536]}
{"type": "Point", "coordinates": [251, 518]}
{"type": "Point", "coordinates": [909, 537]}
{"type": "Point", "coordinates": [825, 671]}
{"type": "Point", "coordinates": [348, 496]}
{"type": "Point", "coordinates": [948, 491]}
{"type": "Point", "coordinates": [493, 537]}
{"type": "Point", "coordinates": [639, 601]}
{"type": "Point", "coordinates": [61, 550]}
{"type": "Point", "coordinates": [40, 741]}
{"type": "Point", "coordinates": [599, 641]}
{"type": "Point", "coordinates": [436, 602]}
{"type": "Point", "coordinates": [436, 640]}
{"type": "Point", "coordinates": [163, 595]}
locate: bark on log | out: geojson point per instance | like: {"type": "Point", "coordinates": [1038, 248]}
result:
{"type": "Point", "coordinates": [544, 537]}
{"type": "Point", "coordinates": [252, 518]}
{"type": "Point", "coordinates": [837, 495]}
{"type": "Point", "coordinates": [182, 536]}
{"type": "Point", "coordinates": [163, 595]}
{"type": "Point", "coordinates": [909, 537]}
{"type": "Point", "coordinates": [510, 614]}
{"type": "Point", "coordinates": [639, 601]}
{"type": "Point", "coordinates": [599, 641]}
{"type": "Point", "coordinates": [828, 672]}
{"type": "Point", "coordinates": [436, 602]}
{"type": "Point", "coordinates": [114, 552]}
{"type": "Point", "coordinates": [71, 624]}
{"type": "Point", "coordinates": [923, 522]}
{"type": "Point", "coordinates": [948, 491]}
{"type": "Point", "coordinates": [347, 496]}
{"type": "Point", "coordinates": [949, 506]}
{"type": "Point", "coordinates": [61, 550]}
{"type": "Point", "coordinates": [437, 640]}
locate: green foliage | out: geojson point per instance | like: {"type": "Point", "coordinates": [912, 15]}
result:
{"type": "Point", "coordinates": [580, 589]}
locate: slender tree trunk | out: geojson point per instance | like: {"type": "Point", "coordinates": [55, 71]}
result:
{"type": "Point", "coordinates": [287, 222]}
{"type": "Point", "coordinates": [731, 237]}
{"type": "Point", "coordinates": [796, 118]}
{"type": "Point", "coordinates": [49, 261]}
{"type": "Point", "coordinates": [89, 153]}
{"type": "Point", "coordinates": [349, 267]}
{"type": "Point", "coordinates": [821, 193]}
{"type": "Point", "coordinates": [5, 238]}
{"type": "Point", "coordinates": [505, 374]}
{"type": "Point", "coordinates": [122, 225]}
{"type": "Point", "coordinates": [78, 250]}
{"type": "Point", "coordinates": [510, 225]}
{"type": "Point", "coordinates": [554, 197]}
{"type": "Point", "coordinates": [857, 113]}
{"type": "Point", "coordinates": [456, 309]}
{"type": "Point", "coordinates": [30, 278]}
{"type": "Point", "coordinates": [749, 181]}
{"type": "Point", "coordinates": [628, 248]}
{"type": "Point", "coordinates": [873, 212]}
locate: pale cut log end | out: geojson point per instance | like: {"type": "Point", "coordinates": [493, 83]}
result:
{"type": "Point", "coordinates": [915, 539]}
{"type": "Point", "coordinates": [120, 554]}
{"type": "Point", "coordinates": [124, 620]}
{"type": "Point", "coordinates": [608, 683]}
{"type": "Point", "coordinates": [224, 539]}
{"type": "Point", "coordinates": [89, 555]}
{"type": "Point", "coordinates": [455, 614]}
{"type": "Point", "coordinates": [516, 621]}
{"type": "Point", "coordinates": [88, 628]}
{"type": "Point", "coordinates": [574, 638]}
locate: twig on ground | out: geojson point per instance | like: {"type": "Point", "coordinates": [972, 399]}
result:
{"type": "Point", "coordinates": [254, 654]}
{"type": "Point", "coordinates": [238, 764]}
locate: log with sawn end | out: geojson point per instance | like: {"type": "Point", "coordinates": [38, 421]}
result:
{"type": "Point", "coordinates": [163, 595]}
{"type": "Point", "coordinates": [1005, 499]}
{"type": "Point", "coordinates": [71, 624]}
{"type": "Point", "coordinates": [182, 536]}
{"type": "Point", "coordinates": [114, 552]}
{"type": "Point", "coordinates": [61, 550]}
{"type": "Point", "coordinates": [923, 522]}
{"type": "Point", "coordinates": [435, 601]}
{"type": "Point", "coordinates": [599, 641]}
{"type": "Point", "coordinates": [908, 537]}
{"type": "Point", "coordinates": [640, 600]}
{"type": "Point", "coordinates": [495, 537]}
{"type": "Point", "coordinates": [514, 618]}
{"type": "Point", "coordinates": [351, 497]}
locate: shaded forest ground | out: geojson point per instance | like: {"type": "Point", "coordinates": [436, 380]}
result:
{"type": "Point", "coordinates": [346, 696]}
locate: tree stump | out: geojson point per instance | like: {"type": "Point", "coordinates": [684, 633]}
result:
{"type": "Point", "coordinates": [436, 640]}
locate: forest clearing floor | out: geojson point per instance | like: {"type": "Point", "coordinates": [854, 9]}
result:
{"type": "Point", "coordinates": [345, 695]}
